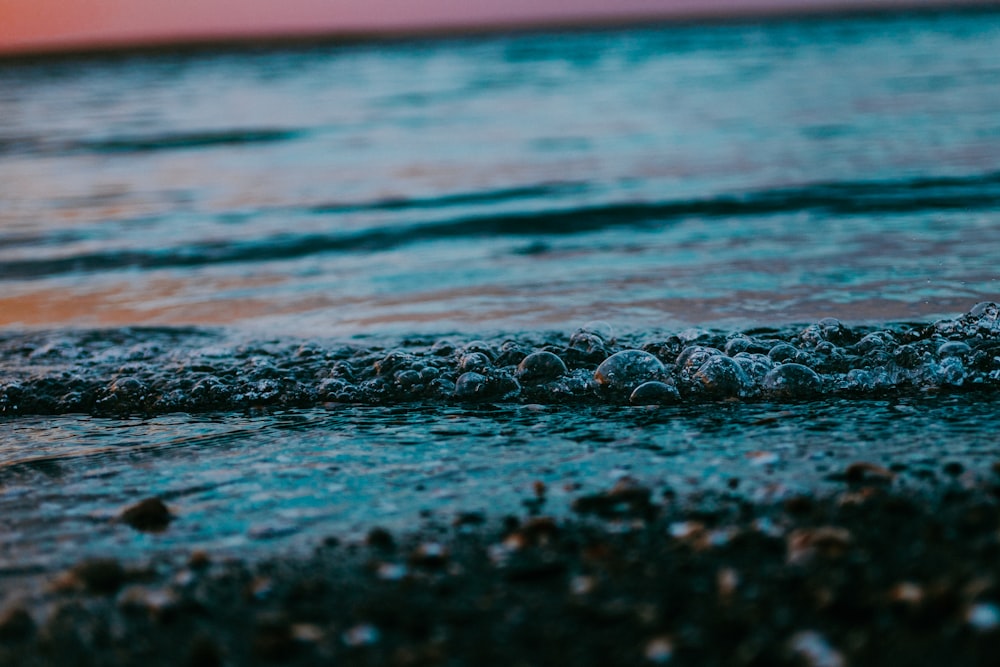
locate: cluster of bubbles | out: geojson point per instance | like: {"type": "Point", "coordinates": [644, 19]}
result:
{"type": "Point", "coordinates": [143, 373]}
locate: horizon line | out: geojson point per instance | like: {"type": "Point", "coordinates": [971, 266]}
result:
{"type": "Point", "coordinates": [354, 37]}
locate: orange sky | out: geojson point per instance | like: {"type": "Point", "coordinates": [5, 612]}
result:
{"type": "Point", "coordinates": [34, 24]}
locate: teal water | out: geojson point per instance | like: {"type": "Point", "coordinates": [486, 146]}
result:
{"type": "Point", "coordinates": [294, 292]}
{"type": "Point", "coordinates": [660, 177]}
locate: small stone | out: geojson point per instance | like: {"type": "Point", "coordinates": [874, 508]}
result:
{"type": "Point", "coordinates": [953, 468]}
{"type": "Point", "coordinates": [762, 458]}
{"type": "Point", "coordinates": [686, 530]}
{"type": "Point", "coordinates": [361, 635]}
{"type": "Point", "coordinates": [626, 498]}
{"type": "Point", "coordinates": [380, 538]}
{"type": "Point", "coordinates": [149, 515]}
{"type": "Point", "coordinates": [539, 367]}
{"type": "Point", "coordinates": [756, 366]}
{"type": "Point", "coordinates": [391, 571]}
{"type": "Point", "coordinates": [592, 338]}
{"type": "Point", "coordinates": [626, 370]}
{"type": "Point", "coordinates": [100, 575]}
{"type": "Point", "coordinates": [720, 376]}
{"type": "Point", "coordinates": [582, 585]}
{"type": "Point", "coordinates": [199, 560]}
{"type": "Point", "coordinates": [471, 385]}
{"type": "Point", "coordinates": [814, 649]}
{"type": "Point", "coordinates": [907, 593]}
{"type": "Point", "coordinates": [260, 588]}
{"type": "Point", "coordinates": [475, 362]}
{"type": "Point", "coordinates": [537, 531]}
{"type": "Point", "coordinates": [659, 650]}
{"type": "Point", "coordinates": [782, 352]}
{"type": "Point", "coordinates": [476, 387]}
{"type": "Point", "coordinates": [792, 381]}
{"type": "Point", "coordinates": [307, 633]}
{"type": "Point", "coordinates": [727, 581]}
{"type": "Point", "coordinates": [599, 328]}
{"type": "Point", "coordinates": [469, 519]}
{"type": "Point", "coordinates": [983, 617]}
{"type": "Point", "coordinates": [654, 393]}
{"type": "Point", "coordinates": [429, 555]}
{"type": "Point", "coordinates": [737, 344]}
{"type": "Point", "coordinates": [16, 625]}
{"type": "Point", "coordinates": [694, 357]}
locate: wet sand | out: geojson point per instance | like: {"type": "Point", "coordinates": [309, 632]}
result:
{"type": "Point", "coordinates": [636, 575]}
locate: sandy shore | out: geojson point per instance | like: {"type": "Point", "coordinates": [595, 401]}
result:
{"type": "Point", "coordinates": [866, 576]}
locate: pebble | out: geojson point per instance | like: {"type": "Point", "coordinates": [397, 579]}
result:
{"type": "Point", "coordinates": [16, 624]}
{"type": "Point", "coordinates": [983, 617]}
{"type": "Point", "coordinates": [654, 393]}
{"type": "Point", "coordinates": [626, 370]}
{"type": "Point", "coordinates": [907, 593]}
{"type": "Point", "coordinates": [692, 358]}
{"type": "Point", "coordinates": [592, 338]}
{"type": "Point", "coordinates": [540, 367]}
{"type": "Point", "coordinates": [727, 581]}
{"type": "Point", "coordinates": [782, 352]}
{"type": "Point", "coordinates": [474, 362]}
{"type": "Point", "coordinates": [149, 515]}
{"type": "Point", "coordinates": [380, 538]}
{"type": "Point", "coordinates": [814, 649]}
{"type": "Point", "coordinates": [98, 575]}
{"type": "Point", "coordinates": [429, 555]}
{"type": "Point", "coordinates": [478, 387]}
{"type": "Point", "coordinates": [659, 650]}
{"type": "Point", "coordinates": [308, 633]}
{"type": "Point", "coordinates": [626, 498]}
{"type": "Point", "coordinates": [391, 571]}
{"type": "Point", "coordinates": [720, 376]}
{"type": "Point", "coordinates": [792, 381]}
{"type": "Point", "coordinates": [471, 385]}
{"type": "Point", "coordinates": [756, 366]}
{"type": "Point", "coordinates": [762, 458]}
{"type": "Point", "coordinates": [364, 634]}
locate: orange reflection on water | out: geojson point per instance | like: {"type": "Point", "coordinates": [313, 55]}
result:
{"type": "Point", "coordinates": [272, 302]}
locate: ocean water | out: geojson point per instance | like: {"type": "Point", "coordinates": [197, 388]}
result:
{"type": "Point", "coordinates": [297, 292]}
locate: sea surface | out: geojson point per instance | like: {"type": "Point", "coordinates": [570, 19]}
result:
{"type": "Point", "coordinates": [297, 292]}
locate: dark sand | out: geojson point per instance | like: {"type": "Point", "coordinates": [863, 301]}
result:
{"type": "Point", "coordinates": [864, 577]}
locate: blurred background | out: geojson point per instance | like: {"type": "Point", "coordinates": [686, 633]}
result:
{"type": "Point", "coordinates": [611, 162]}
{"type": "Point", "coordinates": [54, 24]}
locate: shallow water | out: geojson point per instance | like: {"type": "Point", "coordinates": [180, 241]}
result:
{"type": "Point", "coordinates": [252, 486]}
{"type": "Point", "coordinates": [298, 293]}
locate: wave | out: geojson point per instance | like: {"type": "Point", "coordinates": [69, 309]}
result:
{"type": "Point", "coordinates": [170, 141]}
{"type": "Point", "coordinates": [979, 192]}
{"type": "Point", "coordinates": [162, 370]}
